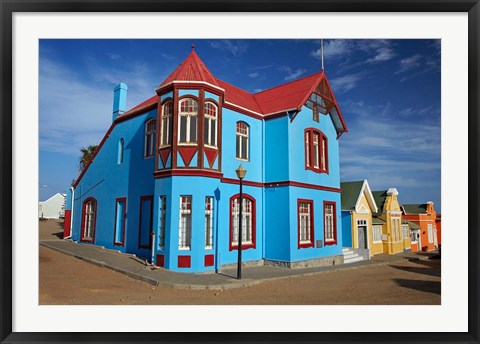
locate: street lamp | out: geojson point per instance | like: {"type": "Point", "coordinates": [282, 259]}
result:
{"type": "Point", "coordinates": [241, 172]}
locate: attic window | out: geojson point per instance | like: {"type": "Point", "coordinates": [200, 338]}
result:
{"type": "Point", "coordinates": [318, 105]}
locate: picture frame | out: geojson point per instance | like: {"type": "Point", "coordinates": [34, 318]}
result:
{"type": "Point", "coordinates": [9, 7]}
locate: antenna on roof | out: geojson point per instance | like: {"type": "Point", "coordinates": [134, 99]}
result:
{"type": "Point", "coordinates": [193, 46]}
{"type": "Point", "coordinates": [321, 52]}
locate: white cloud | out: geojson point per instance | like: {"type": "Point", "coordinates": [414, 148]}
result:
{"type": "Point", "coordinates": [294, 74]}
{"type": "Point", "coordinates": [345, 83]}
{"type": "Point", "coordinates": [234, 47]}
{"type": "Point", "coordinates": [254, 75]}
{"type": "Point", "coordinates": [383, 54]}
{"type": "Point", "coordinates": [409, 63]}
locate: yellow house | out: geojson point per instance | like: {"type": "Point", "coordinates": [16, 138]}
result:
{"type": "Point", "coordinates": [358, 205]}
{"type": "Point", "coordinates": [389, 211]}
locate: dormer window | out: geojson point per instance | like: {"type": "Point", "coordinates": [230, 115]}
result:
{"type": "Point", "coordinates": [187, 115]}
{"type": "Point", "coordinates": [210, 124]}
{"type": "Point", "coordinates": [167, 115]}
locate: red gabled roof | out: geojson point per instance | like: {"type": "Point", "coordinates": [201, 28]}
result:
{"type": "Point", "coordinates": [191, 69]}
{"type": "Point", "coordinates": [146, 103]}
{"type": "Point", "coordinates": [239, 97]}
{"type": "Point", "coordinates": [288, 96]}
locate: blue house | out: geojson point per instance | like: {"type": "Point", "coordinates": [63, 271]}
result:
{"type": "Point", "coordinates": [162, 183]}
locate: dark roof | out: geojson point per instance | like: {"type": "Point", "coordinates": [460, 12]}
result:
{"type": "Point", "coordinates": [377, 221]}
{"type": "Point", "coordinates": [350, 192]}
{"type": "Point", "coordinates": [380, 197]}
{"type": "Point", "coordinates": [411, 224]}
{"type": "Point", "coordinates": [415, 208]}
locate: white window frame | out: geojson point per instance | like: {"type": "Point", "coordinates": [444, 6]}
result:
{"type": "Point", "coordinates": [185, 223]}
{"type": "Point", "coordinates": [239, 141]}
{"type": "Point", "coordinates": [190, 117]}
{"type": "Point", "coordinates": [377, 233]}
{"type": "Point", "coordinates": [163, 222]}
{"type": "Point", "coordinates": [329, 219]}
{"type": "Point", "coordinates": [210, 124]}
{"type": "Point", "coordinates": [208, 222]}
{"type": "Point", "coordinates": [149, 139]}
{"type": "Point", "coordinates": [405, 231]}
{"type": "Point", "coordinates": [90, 220]}
{"type": "Point", "coordinates": [316, 150]}
{"type": "Point", "coordinates": [305, 218]}
{"type": "Point", "coordinates": [247, 221]}
{"type": "Point", "coordinates": [165, 139]}
{"type": "Point", "coordinates": [430, 233]}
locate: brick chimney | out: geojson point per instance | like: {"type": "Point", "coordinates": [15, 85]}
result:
{"type": "Point", "coordinates": [119, 100]}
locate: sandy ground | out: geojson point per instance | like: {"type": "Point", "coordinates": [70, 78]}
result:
{"type": "Point", "coordinates": [67, 280]}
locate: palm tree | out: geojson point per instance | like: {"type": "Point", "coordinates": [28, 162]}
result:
{"type": "Point", "coordinates": [86, 157]}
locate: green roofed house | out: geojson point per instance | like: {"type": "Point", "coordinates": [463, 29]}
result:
{"type": "Point", "coordinates": [414, 230]}
{"type": "Point", "coordinates": [425, 216]}
{"type": "Point", "coordinates": [358, 205]}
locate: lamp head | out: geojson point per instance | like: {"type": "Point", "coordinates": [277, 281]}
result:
{"type": "Point", "coordinates": [241, 172]}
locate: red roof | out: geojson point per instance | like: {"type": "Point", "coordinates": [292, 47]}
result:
{"type": "Point", "coordinates": [289, 96]}
{"type": "Point", "coordinates": [191, 69]}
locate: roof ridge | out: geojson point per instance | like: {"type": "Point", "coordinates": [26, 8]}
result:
{"type": "Point", "coordinates": [290, 82]}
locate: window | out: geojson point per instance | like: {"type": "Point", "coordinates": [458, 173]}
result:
{"type": "Point", "coordinates": [185, 227]}
{"type": "Point", "coordinates": [248, 221]}
{"type": "Point", "coordinates": [330, 223]}
{"type": "Point", "coordinates": [120, 217]}
{"type": "Point", "coordinates": [187, 129]}
{"type": "Point", "coordinates": [242, 141]}
{"type": "Point", "coordinates": [89, 218]}
{"type": "Point", "coordinates": [430, 233]}
{"type": "Point", "coordinates": [377, 233]}
{"type": "Point", "coordinates": [414, 236]}
{"type": "Point", "coordinates": [163, 215]}
{"type": "Point", "coordinates": [149, 138]}
{"type": "Point", "coordinates": [405, 231]}
{"type": "Point", "coordinates": [210, 125]}
{"type": "Point", "coordinates": [121, 144]}
{"type": "Point", "coordinates": [208, 222]}
{"type": "Point", "coordinates": [167, 115]}
{"type": "Point", "coordinates": [316, 113]}
{"type": "Point", "coordinates": [316, 151]}
{"type": "Point", "coordinates": [305, 223]}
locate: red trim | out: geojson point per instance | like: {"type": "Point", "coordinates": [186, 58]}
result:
{"type": "Point", "coordinates": [160, 260]}
{"type": "Point", "coordinates": [136, 112]}
{"type": "Point", "coordinates": [142, 198]}
{"type": "Point", "coordinates": [187, 154]}
{"type": "Point", "coordinates": [184, 261]}
{"type": "Point", "coordinates": [331, 242]}
{"type": "Point", "coordinates": [276, 115]}
{"type": "Point", "coordinates": [175, 128]}
{"type": "Point", "coordinates": [82, 229]}
{"type": "Point", "coordinates": [66, 223]}
{"type": "Point", "coordinates": [245, 246]}
{"type": "Point", "coordinates": [164, 153]}
{"type": "Point", "coordinates": [209, 260]}
{"type": "Point", "coordinates": [321, 136]}
{"type": "Point", "coordinates": [121, 243]}
{"type": "Point", "coordinates": [303, 185]}
{"type": "Point", "coordinates": [211, 154]}
{"type": "Point", "coordinates": [187, 172]}
{"type": "Point", "coordinates": [245, 182]}
{"type": "Point", "coordinates": [312, 223]}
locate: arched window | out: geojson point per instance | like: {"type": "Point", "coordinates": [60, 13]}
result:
{"type": "Point", "coordinates": [149, 138]}
{"type": "Point", "coordinates": [316, 151]}
{"type": "Point", "coordinates": [167, 115]}
{"type": "Point", "coordinates": [187, 115]}
{"type": "Point", "coordinates": [248, 221]}
{"type": "Point", "coordinates": [89, 218]}
{"type": "Point", "coordinates": [121, 146]}
{"type": "Point", "coordinates": [242, 141]}
{"type": "Point", "coordinates": [210, 125]}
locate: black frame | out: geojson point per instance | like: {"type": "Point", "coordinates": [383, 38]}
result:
{"type": "Point", "coordinates": [8, 7]}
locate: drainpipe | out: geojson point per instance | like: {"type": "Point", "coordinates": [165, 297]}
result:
{"type": "Point", "coordinates": [152, 261]}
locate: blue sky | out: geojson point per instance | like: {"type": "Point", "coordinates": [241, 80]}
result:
{"type": "Point", "coordinates": [388, 91]}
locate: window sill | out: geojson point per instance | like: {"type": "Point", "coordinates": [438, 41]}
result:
{"type": "Point", "coordinates": [210, 146]}
{"type": "Point", "coordinates": [184, 248]}
{"type": "Point", "coordinates": [246, 160]}
{"type": "Point", "coordinates": [187, 144]}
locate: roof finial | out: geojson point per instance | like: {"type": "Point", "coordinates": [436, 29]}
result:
{"type": "Point", "coordinates": [193, 46]}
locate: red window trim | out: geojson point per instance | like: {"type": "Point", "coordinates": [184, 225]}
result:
{"type": "Point", "coordinates": [312, 222]}
{"type": "Point", "coordinates": [122, 243]}
{"type": "Point", "coordinates": [245, 246]}
{"type": "Point", "coordinates": [82, 229]}
{"type": "Point", "coordinates": [142, 198]}
{"type": "Point", "coordinates": [321, 137]}
{"type": "Point", "coordinates": [334, 241]}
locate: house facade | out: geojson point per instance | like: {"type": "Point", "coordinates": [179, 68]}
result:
{"type": "Point", "coordinates": [52, 208]}
{"type": "Point", "coordinates": [162, 183]}
{"type": "Point", "coordinates": [425, 216]}
{"type": "Point", "coordinates": [390, 214]}
{"type": "Point", "coordinates": [358, 205]}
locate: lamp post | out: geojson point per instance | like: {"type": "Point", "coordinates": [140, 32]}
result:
{"type": "Point", "coordinates": [241, 172]}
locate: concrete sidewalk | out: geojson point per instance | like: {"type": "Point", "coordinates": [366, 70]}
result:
{"type": "Point", "coordinates": [135, 267]}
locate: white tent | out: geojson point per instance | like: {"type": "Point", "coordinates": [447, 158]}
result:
{"type": "Point", "coordinates": [52, 208]}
